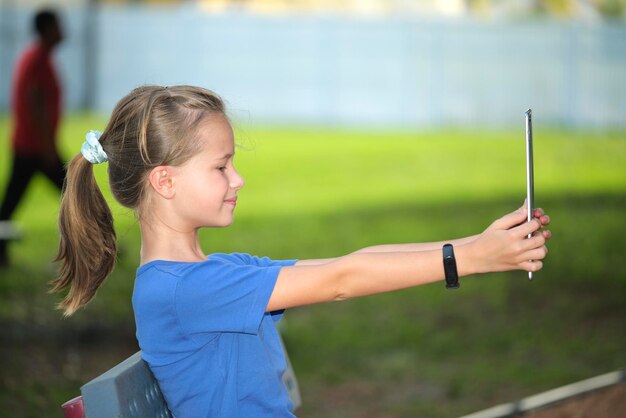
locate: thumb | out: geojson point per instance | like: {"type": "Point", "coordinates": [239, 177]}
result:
{"type": "Point", "coordinates": [512, 219]}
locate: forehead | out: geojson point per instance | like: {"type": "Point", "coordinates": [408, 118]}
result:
{"type": "Point", "coordinates": [216, 135]}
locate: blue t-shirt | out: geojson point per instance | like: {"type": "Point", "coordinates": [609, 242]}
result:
{"type": "Point", "coordinates": [203, 329]}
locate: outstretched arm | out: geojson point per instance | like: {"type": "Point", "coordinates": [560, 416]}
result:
{"type": "Point", "coordinates": [422, 246]}
{"type": "Point", "coordinates": [502, 246]}
{"type": "Point", "coordinates": [393, 248]}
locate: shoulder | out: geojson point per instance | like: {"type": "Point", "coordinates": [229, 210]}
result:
{"type": "Point", "coordinates": [242, 259]}
{"type": "Point", "coordinates": [213, 261]}
{"type": "Point", "coordinates": [32, 55]}
{"type": "Point", "coordinates": [220, 271]}
{"type": "Point", "coordinates": [164, 268]}
{"type": "Point", "coordinates": [32, 62]}
{"type": "Point", "coordinates": [250, 260]}
{"type": "Point", "coordinates": [175, 273]}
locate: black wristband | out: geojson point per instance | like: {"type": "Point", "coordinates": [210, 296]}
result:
{"type": "Point", "coordinates": [449, 267]}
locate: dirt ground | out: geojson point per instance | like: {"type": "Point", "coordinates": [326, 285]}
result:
{"type": "Point", "coordinates": [605, 403]}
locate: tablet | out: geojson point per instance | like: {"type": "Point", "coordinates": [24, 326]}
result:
{"type": "Point", "coordinates": [530, 181]}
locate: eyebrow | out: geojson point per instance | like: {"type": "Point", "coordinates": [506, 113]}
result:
{"type": "Point", "coordinates": [225, 156]}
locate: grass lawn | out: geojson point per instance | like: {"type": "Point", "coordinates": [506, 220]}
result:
{"type": "Point", "coordinates": [323, 192]}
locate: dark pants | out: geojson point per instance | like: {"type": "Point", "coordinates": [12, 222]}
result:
{"type": "Point", "coordinates": [24, 167]}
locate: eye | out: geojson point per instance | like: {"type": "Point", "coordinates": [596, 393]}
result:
{"type": "Point", "coordinates": [223, 168]}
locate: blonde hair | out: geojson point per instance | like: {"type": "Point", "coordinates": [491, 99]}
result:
{"type": "Point", "coordinates": [150, 127]}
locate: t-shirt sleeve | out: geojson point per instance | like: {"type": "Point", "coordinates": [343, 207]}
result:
{"type": "Point", "coordinates": [224, 297]}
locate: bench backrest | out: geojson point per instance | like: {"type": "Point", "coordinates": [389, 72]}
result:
{"type": "Point", "coordinates": [128, 390]}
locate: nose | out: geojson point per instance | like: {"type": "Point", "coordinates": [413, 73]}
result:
{"type": "Point", "coordinates": [236, 181]}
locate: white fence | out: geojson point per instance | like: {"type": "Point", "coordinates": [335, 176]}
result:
{"type": "Point", "coordinates": [341, 70]}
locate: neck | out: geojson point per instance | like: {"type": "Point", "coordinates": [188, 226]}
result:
{"type": "Point", "coordinates": [46, 45]}
{"type": "Point", "coordinates": [159, 242]}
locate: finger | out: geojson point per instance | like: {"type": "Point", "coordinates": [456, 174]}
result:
{"type": "Point", "coordinates": [512, 219]}
{"type": "Point", "coordinates": [536, 241]}
{"type": "Point", "coordinates": [547, 234]}
{"type": "Point", "coordinates": [535, 254]}
{"type": "Point", "coordinates": [540, 214]}
{"type": "Point", "coordinates": [534, 265]}
{"type": "Point", "coordinates": [527, 228]}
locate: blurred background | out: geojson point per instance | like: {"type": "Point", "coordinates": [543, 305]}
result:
{"type": "Point", "coordinates": [349, 62]}
{"type": "Point", "coordinates": [359, 122]}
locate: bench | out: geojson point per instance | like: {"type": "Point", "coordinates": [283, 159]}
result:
{"type": "Point", "coordinates": [129, 390]}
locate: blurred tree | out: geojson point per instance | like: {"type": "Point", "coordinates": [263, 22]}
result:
{"type": "Point", "coordinates": [613, 8]}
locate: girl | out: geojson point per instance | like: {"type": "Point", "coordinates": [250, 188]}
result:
{"type": "Point", "coordinates": [205, 325]}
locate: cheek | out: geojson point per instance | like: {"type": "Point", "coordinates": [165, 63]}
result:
{"type": "Point", "coordinates": [218, 182]}
{"type": "Point", "coordinates": [216, 187]}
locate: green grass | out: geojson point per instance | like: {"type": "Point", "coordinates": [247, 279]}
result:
{"type": "Point", "coordinates": [322, 192]}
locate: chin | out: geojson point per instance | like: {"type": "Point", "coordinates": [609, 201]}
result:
{"type": "Point", "coordinates": [224, 224]}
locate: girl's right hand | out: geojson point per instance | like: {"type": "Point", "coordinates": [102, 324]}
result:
{"type": "Point", "coordinates": [505, 245]}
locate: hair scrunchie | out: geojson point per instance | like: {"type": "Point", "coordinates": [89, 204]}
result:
{"type": "Point", "coordinates": [92, 149]}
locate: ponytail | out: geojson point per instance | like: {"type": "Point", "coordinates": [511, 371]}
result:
{"type": "Point", "coordinates": [87, 248]}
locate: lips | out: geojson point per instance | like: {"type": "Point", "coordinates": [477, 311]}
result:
{"type": "Point", "coordinates": [232, 201]}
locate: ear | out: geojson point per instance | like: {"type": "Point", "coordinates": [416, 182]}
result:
{"type": "Point", "coordinates": [161, 179]}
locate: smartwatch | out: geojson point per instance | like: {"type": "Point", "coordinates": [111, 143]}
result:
{"type": "Point", "coordinates": [449, 267]}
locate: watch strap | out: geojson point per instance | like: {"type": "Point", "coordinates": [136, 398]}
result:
{"type": "Point", "coordinates": [449, 267]}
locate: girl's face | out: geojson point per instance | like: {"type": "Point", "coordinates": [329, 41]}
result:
{"type": "Point", "coordinates": [207, 184]}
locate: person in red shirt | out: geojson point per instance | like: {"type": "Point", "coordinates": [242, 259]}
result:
{"type": "Point", "coordinates": [36, 108]}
